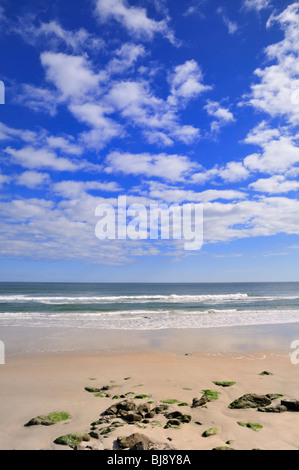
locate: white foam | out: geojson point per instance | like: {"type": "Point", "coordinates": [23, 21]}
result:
{"type": "Point", "coordinates": [149, 320]}
{"type": "Point", "coordinates": [172, 298]}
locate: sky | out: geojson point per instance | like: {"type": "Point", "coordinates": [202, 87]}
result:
{"type": "Point", "coordinates": [161, 101]}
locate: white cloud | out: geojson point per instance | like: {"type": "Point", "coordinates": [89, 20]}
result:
{"type": "Point", "coordinates": [186, 82]}
{"type": "Point", "coordinates": [262, 134]}
{"type": "Point", "coordinates": [177, 195]}
{"type": "Point", "coordinates": [38, 99]}
{"type": "Point", "coordinates": [276, 157]}
{"type": "Point", "coordinates": [72, 75]}
{"type": "Point", "coordinates": [4, 179]}
{"type": "Point", "coordinates": [256, 4]}
{"type": "Point", "coordinates": [170, 167]}
{"type": "Point", "coordinates": [54, 34]}
{"type": "Point", "coordinates": [134, 19]}
{"type": "Point", "coordinates": [277, 184]}
{"type": "Point", "coordinates": [103, 128]}
{"type": "Point", "coordinates": [231, 172]}
{"type": "Point", "coordinates": [64, 144]}
{"type": "Point", "coordinates": [125, 58]}
{"type": "Point", "coordinates": [222, 115]}
{"type": "Point", "coordinates": [75, 189]}
{"type": "Point", "coordinates": [231, 25]}
{"type": "Point", "coordinates": [30, 157]}
{"type": "Point", "coordinates": [277, 90]}
{"type": "Point", "coordinates": [33, 179]}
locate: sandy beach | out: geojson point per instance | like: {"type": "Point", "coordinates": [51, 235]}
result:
{"type": "Point", "coordinates": [38, 384]}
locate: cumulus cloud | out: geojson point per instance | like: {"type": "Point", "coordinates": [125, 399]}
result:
{"type": "Point", "coordinates": [223, 116]}
{"type": "Point", "coordinates": [134, 19]}
{"type": "Point", "coordinates": [170, 167]}
{"type": "Point", "coordinates": [277, 184]}
{"type": "Point", "coordinates": [33, 179]}
{"type": "Point", "coordinates": [276, 92]}
{"type": "Point", "coordinates": [256, 5]}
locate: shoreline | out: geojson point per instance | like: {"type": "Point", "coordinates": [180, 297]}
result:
{"type": "Point", "coordinates": [26, 340]}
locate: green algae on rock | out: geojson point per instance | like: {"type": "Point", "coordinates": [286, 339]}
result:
{"type": "Point", "coordinates": [210, 432]}
{"type": "Point", "coordinates": [253, 426]}
{"type": "Point", "coordinates": [50, 419]}
{"type": "Point", "coordinates": [72, 440]}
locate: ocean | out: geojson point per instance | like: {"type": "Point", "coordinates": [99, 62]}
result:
{"type": "Point", "coordinates": [148, 306]}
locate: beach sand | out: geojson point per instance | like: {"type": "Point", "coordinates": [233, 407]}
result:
{"type": "Point", "coordinates": [40, 383]}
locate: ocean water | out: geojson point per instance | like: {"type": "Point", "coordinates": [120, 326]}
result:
{"type": "Point", "coordinates": [148, 306]}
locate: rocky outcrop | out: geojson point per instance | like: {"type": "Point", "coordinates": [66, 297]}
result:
{"type": "Point", "coordinates": [133, 441]}
{"type": "Point", "coordinates": [250, 400]}
{"type": "Point", "coordinates": [49, 420]}
{"type": "Point", "coordinates": [291, 404]}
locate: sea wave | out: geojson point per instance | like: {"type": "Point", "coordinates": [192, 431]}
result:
{"type": "Point", "coordinates": [149, 320]}
{"type": "Point", "coordinates": [172, 298]}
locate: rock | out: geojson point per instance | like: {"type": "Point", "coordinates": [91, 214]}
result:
{"type": "Point", "coordinates": [199, 401]}
{"type": "Point", "coordinates": [159, 447]}
{"type": "Point", "coordinates": [129, 441]}
{"type": "Point", "coordinates": [210, 432]}
{"type": "Point", "coordinates": [223, 448]}
{"type": "Point", "coordinates": [224, 384]}
{"type": "Point", "coordinates": [112, 410]}
{"type": "Point", "coordinates": [172, 423]}
{"type": "Point", "coordinates": [253, 426]}
{"type": "Point", "coordinates": [150, 415]}
{"type": "Point", "coordinates": [49, 420]}
{"type": "Point", "coordinates": [72, 440]}
{"type": "Point", "coordinates": [39, 420]}
{"type": "Point", "coordinates": [105, 431]}
{"type": "Point", "coordinates": [144, 408]}
{"type": "Point", "coordinates": [126, 405]}
{"type": "Point", "coordinates": [139, 446]}
{"type": "Point", "coordinates": [274, 396]}
{"type": "Point", "coordinates": [273, 409]}
{"type": "Point", "coordinates": [266, 372]}
{"type": "Point", "coordinates": [179, 416]}
{"type": "Point", "coordinates": [95, 434]}
{"type": "Point", "coordinates": [250, 400]}
{"type": "Point", "coordinates": [291, 404]}
{"type": "Point", "coordinates": [132, 417]}
{"type": "Point", "coordinates": [160, 408]}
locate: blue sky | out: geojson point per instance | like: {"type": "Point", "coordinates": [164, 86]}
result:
{"type": "Point", "coordinates": [161, 101]}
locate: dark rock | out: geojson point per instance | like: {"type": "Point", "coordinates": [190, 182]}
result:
{"type": "Point", "coordinates": [72, 440]}
{"type": "Point", "coordinates": [39, 420]}
{"type": "Point", "coordinates": [160, 408]}
{"type": "Point", "coordinates": [126, 405]}
{"type": "Point", "coordinates": [250, 400]}
{"type": "Point", "coordinates": [266, 372]}
{"type": "Point", "coordinates": [179, 416]}
{"type": "Point", "coordinates": [112, 410]}
{"type": "Point", "coordinates": [273, 409]}
{"type": "Point", "coordinates": [132, 417]}
{"type": "Point", "coordinates": [144, 407]}
{"type": "Point", "coordinates": [150, 415]}
{"type": "Point", "coordinates": [139, 446]}
{"type": "Point", "coordinates": [290, 404]}
{"type": "Point", "coordinates": [159, 447]}
{"type": "Point", "coordinates": [95, 434]}
{"type": "Point", "coordinates": [172, 423]}
{"type": "Point", "coordinates": [199, 401]}
{"type": "Point", "coordinates": [129, 441]}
